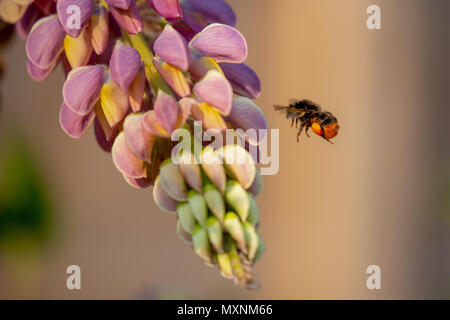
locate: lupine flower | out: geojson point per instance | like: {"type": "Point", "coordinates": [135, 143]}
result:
{"type": "Point", "coordinates": [137, 98]}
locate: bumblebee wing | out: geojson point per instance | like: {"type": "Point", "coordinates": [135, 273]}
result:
{"type": "Point", "coordinates": [291, 112]}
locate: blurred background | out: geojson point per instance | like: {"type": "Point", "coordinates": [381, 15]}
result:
{"type": "Point", "coordinates": [379, 196]}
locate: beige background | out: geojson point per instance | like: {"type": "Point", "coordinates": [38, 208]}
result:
{"type": "Point", "coordinates": [331, 211]}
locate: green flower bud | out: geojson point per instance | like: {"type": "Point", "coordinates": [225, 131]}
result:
{"type": "Point", "coordinates": [238, 198]}
{"type": "Point", "coordinates": [253, 213]}
{"type": "Point", "coordinates": [215, 234]}
{"type": "Point", "coordinates": [225, 265]}
{"type": "Point", "coordinates": [252, 239]}
{"type": "Point", "coordinates": [186, 217]}
{"type": "Point", "coordinates": [201, 244]}
{"type": "Point", "coordinates": [261, 248]}
{"type": "Point", "coordinates": [215, 202]}
{"type": "Point", "coordinates": [198, 206]}
{"type": "Point", "coordinates": [234, 227]}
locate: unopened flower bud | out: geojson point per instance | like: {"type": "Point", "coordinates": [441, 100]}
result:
{"type": "Point", "coordinates": [234, 227]}
{"type": "Point", "coordinates": [186, 217]}
{"type": "Point", "coordinates": [215, 202]}
{"type": "Point", "coordinates": [215, 234]}
{"type": "Point", "coordinates": [198, 206]}
{"type": "Point", "coordinates": [238, 198]}
{"type": "Point", "coordinates": [201, 244]}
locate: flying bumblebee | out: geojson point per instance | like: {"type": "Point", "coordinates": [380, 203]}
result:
{"type": "Point", "coordinates": [310, 115]}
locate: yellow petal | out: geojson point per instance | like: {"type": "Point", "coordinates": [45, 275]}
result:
{"type": "Point", "coordinates": [114, 102]}
{"type": "Point", "coordinates": [210, 117]}
{"type": "Point", "coordinates": [136, 91]}
{"type": "Point", "coordinates": [78, 50]}
{"type": "Point", "coordinates": [174, 77]}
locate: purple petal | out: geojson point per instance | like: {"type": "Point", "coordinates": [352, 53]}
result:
{"type": "Point", "coordinates": [102, 141]}
{"type": "Point", "coordinates": [67, 10]}
{"type": "Point", "coordinates": [258, 185]}
{"type": "Point", "coordinates": [162, 199]}
{"type": "Point", "coordinates": [82, 88]}
{"type": "Point", "coordinates": [138, 183]}
{"type": "Point", "coordinates": [125, 161]}
{"type": "Point", "coordinates": [199, 13]}
{"type": "Point", "coordinates": [130, 20]}
{"type": "Point", "coordinates": [124, 65]}
{"type": "Point", "coordinates": [166, 111]}
{"type": "Point", "coordinates": [138, 139]}
{"type": "Point", "coordinates": [222, 43]}
{"type": "Point", "coordinates": [74, 124]}
{"type": "Point", "coordinates": [172, 48]}
{"type": "Point", "coordinates": [169, 9]}
{"type": "Point", "coordinates": [39, 74]}
{"type": "Point", "coordinates": [184, 30]}
{"type": "Point", "coordinates": [45, 42]}
{"type": "Point", "coordinates": [243, 79]}
{"type": "Point", "coordinates": [245, 115]}
{"type": "Point", "coordinates": [121, 4]}
{"type": "Point", "coordinates": [215, 89]}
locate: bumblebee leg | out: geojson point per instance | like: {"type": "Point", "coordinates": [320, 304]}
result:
{"type": "Point", "coordinates": [296, 122]}
{"type": "Point", "coordinates": [299, 133]}
{"type": "Point", "coordinates": [292, 123]}
{"type": "Point", "coordinates": [306, 131]}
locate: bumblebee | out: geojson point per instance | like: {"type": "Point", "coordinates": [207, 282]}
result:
{"type": "Point", "coordinates": [310, 115]}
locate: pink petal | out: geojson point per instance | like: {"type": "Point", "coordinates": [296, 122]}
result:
{"type": "Point", "coordinates": [38, 74]}
{"type": "Point", "coordinates": [74, 124]}
{"type": "Point", "coordinates": [124, 65]}
{"type": "Point", "coordinates": [166, 111]}
{"type": "Point", "coordinates": [138, 183]}
{"type": "Point", "coordinates": [130, 20]}
{"type": "Point", "coordinates": [172, 48]}
{"type": "Point", "coordinates": [215, 89]}
{"type": "Point", "coordinates": [138, 139]}
{"type": "Point", "coordinates": [45, 42]}
{"type": "Point", "coordinates": [82, 88]}
{"type": "Point", "coordinates": [169, 9]}
{"type": "Point", "coordinates": [222, 43]}
{"type": "Point", "coordinates": [66, 12]}
{"type": "Point", "coordinates": [126, 162]}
